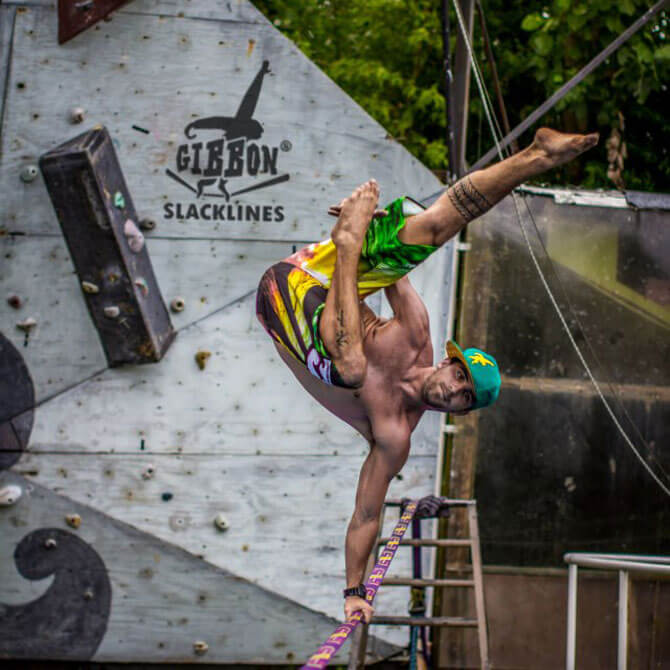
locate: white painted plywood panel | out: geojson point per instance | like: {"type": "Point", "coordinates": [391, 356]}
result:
{"type": "Point", "coordinates": [65, 349]}
{"type": "Point", "coordinates": [288, 515]}
{"type": "Point", "coordinates": [245, 413]}
{"type": "Point", "coordinates": [245, 401]}
{"type": "Point", "coordinates": [162, 74]}
{"type": "Point", "coordinates": [163, 599]}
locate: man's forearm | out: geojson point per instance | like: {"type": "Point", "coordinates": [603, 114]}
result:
{"type": "Point", "coordinates": [358, 545]}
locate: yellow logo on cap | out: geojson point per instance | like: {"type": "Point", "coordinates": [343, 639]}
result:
{"type": "Point", "coordinates": [478, 359]}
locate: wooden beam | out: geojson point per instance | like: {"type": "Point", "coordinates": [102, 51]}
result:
{"type": "Point", "coordinates": [472, 328]}
{"type": "Point", "coordinates": [585, 387]}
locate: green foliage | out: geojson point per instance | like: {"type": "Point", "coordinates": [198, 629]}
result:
{"type": "Point", "coordinates": [387, 54]}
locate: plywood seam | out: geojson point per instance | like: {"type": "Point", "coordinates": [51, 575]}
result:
{"type": "Point", "coordinates": [103, 370]}
{"type": "Point", "coordinates": [241, 298]}
{"type": "Point", "coordinates": [176, 549]}
{"type": "Point", "coordinates": [61, 392]}
{"type": "Point", "coordinates": [175, 238]}
{"type": "Point", "coordinates": [553, 385]}
{"type": "Point", "coordinates": [8, 71]}
{"type": "Point", "coordinates": [262, 22]}
{"type": "Point", "coordinates": [189, 454]}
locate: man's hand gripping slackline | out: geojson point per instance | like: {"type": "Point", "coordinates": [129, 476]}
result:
{"type": "Point", "coordinates": [378, 374]}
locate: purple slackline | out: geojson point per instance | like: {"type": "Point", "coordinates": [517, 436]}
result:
{"type": "Point", "coordinates": [330, 647]}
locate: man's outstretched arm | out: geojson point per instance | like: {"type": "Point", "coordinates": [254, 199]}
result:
{"type": "Point", "coordinates": [384, 461]}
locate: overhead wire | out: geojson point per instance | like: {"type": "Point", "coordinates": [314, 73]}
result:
{"type": "Point", "coordinates": [495, 131]}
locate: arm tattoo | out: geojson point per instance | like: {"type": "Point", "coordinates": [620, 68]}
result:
{"type": "Point", "coordinates": [468, 201]}
{"type": "Point", "coordinates": [341, 337]}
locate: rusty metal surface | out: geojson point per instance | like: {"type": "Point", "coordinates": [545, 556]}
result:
{"type": "Point", "coordinates": [75, 16]}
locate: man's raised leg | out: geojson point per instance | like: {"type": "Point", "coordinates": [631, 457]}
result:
{"type": "Point", "coordinates": [476, 193]}
{"type": "Point", "coordinates": [340, 326]}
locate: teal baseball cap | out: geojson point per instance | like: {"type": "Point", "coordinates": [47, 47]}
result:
{"type": "Point", "coordinates": [483, 371]}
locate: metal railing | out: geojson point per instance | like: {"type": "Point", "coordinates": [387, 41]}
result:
{"type": "Point", "coordinates": [624, 563]}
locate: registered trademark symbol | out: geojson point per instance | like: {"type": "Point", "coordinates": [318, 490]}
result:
{"type": "Point", "coordinates": [286, 146]}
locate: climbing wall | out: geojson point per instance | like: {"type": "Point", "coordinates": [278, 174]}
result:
{"type": "Point", "coordinates": [209, 489]}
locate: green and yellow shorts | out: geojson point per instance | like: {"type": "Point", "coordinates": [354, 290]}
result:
{"type": "Point", "coordinates": [292, 293]}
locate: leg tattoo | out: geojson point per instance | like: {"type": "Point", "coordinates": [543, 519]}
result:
{"type": "Point", "coordinates": [468, 201]}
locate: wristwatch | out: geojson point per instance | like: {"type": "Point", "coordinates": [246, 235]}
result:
{"type": "Point", "coordinates": [359, 591]}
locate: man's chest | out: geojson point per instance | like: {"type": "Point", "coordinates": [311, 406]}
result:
{"type": "Point", "coordinates": [388, 350]}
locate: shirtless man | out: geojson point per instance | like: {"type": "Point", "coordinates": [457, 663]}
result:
{"type": "Point", "coordinates": [378, 374]}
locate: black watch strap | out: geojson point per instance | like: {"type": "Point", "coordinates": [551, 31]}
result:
{"type": "Point", "coordinates": [359, 591]}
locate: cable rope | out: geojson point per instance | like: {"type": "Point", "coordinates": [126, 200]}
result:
{"type": "Point", "coordinates": [324, 654]}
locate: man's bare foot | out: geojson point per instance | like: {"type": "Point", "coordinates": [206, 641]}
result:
{"type": "Point", "coordinates": [557, 148]}
{"type": "Point", "coordinates": [355, 215]}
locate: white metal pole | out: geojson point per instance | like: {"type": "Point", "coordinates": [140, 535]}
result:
{"type": "Point", "coordinates": [572, 618]}
{"type": "Point", "coordinates": [622, 644]}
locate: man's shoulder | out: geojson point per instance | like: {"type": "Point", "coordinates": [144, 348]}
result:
{"type": "Point", "coordinates": [391, 434]}
{"type": "Point", "coordinates": [390, 420]}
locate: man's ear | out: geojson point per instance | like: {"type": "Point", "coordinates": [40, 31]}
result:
{"type": "Point", "coordinates": [442, 363]}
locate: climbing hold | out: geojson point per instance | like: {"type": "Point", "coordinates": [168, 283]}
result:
{"type": "Point", "coordinates": [200, 647]}
{"type": "Point", "coordinates": [88, 594]}
{"type": "Point", "coordinates": [119, 200]}
{"type": "Point", "coordinates": [26, 325]}
{"type": "Point", "coordinates": [9, 495]}
{"type": "Point", "coordinates": [14, 301]}
{"type": "Point", "coordinates": [112, 311]}
{"type": "Point", "coordinates": [167, 496]}
{"type": "Point", "coordinates": [90, 287]}
{"type": "Point", "coordinates": [29, 173]}
{"type": "Point", "coordinates": [141, 283]}
{"type": "Point", "coordinates": [133, 235]}
{"type": "Point", "coordinates": [50, 543]}
{"type": "Point", "coordinates": [201, 358]}
{"type": "Point", "coordinates": [221, 522]}
{"type": "Point", "coordinates": [73, 520]}
{"type": "Point", "coordinates": [149, 472]}
{"type": "Point", "coordinates": [178, 304]}
{"type": "Point", "coordinates": [76, 114]}
{"type": "Point", "coordinates": [147, 224]}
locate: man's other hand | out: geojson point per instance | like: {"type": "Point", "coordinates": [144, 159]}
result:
{"type": "Point", "coordinates": [354, 604]}
{"type": "Point", "coordinates": [336, 210]}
